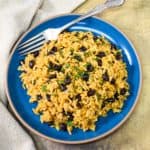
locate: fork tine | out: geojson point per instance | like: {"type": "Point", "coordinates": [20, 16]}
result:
{"type": "Point", "coordinates": [34, 50]}
{"type": "Point", "coordinates": [31, 43]}
{"type": "Point", "coordinates": [32, 47]}
{"type": "Point", "coordinates": [31, 39]}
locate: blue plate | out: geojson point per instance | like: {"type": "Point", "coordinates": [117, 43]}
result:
{"type": "Point", "coordinates": [19, 99]}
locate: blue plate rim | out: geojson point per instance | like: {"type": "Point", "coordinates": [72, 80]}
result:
{"type": "Point", "coordinates": [63, 141]}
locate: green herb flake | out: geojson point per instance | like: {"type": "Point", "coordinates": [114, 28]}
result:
{"type": "Point", "coordinates": [97, 40]}
{"type": "Point", "coordinates": [77, 76]}
{"type": "Point", "coordinates": [77, 69]}
{"type": "Point", "coordinates": [67, 65]}
{"type": "Point", "coordinates": [62, 69]}
{"type": "Point", "coordinates": [82, 73]}
{"type": "Point", "coordinates": [95, 58]}
{"type": "Point", "coordinates": [54, 94]}
{"type": "Point", "coordinates": [86, 54]}
{"type": "Point", "coordinates": [101, 82]}
{"type": "Point", "coordinates": [61, 53]}
{"type": "Point", "coordinates": [88, 63]}
{"type": "Point", "coordinates": [44, 88]}
{"type": "Point", "coordinates": [60, 81]}
{"type": "Point", "coordinates": [77, 57]}
{"type": "Point", "coordinates": [71, 50]}
{"type": "Point", "coordinates": [50, 67]}
{"type": "Point", "coordinates": [69, 123]}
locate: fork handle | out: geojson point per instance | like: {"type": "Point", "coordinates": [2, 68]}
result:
{"type": "Point", "coordinates": [98, 9]}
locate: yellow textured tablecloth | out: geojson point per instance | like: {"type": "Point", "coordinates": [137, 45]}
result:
{"type": "Point", "coordinates": [133, 18]}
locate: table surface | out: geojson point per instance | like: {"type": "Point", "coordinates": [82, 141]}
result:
{"type": "Point", "coordinates": [133, 18]}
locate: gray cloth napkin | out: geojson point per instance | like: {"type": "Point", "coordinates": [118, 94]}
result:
{"type": "Point", "coordinates": [16, 16]}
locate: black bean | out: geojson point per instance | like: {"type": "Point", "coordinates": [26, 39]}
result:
{"type": "Point", "coordinates": [116, 96]}
{"type": "Point", "coordinates": [35, 54]}
{"type": "Point", "coordinates": [90, 121]}
{"type": "Point", "coordinates": [84, 37]}
{"type": "Point", "coordinates": [91, 92]}
{"type": "Point", "coordinates": [39, 97]}
{"type": "Point", "coordinates": [70, 116]}
{"type": "Point", "coordinates": [103, 104]}
{"type": "Point", "coordinates": [105, 76]}
{"type": "Point", "coordinates": [79, 105]}
{"type": "Point", "coordinates": [49, 53]}
{"type": "Point", "coordinates": [50, 123]}
{"type": "Point", "coordinates": [78, 97]}
{"type": "Point", "coordinates": [99, 61]}
{"type": "Point", "coordinates": [101, 54]}
{"type": "Point", "coordinates": [106, 101]}
{"type": "Point", "coordinates": [102, 41]}
{"type": "Point", "coordinates": [41, 113]}
{"type": "Point", "coordinates": [52, 76]}
{"type": "Point", "coordinates": [124, 78]}
{"type": "Point", "coordinates": [110, 100]}
{"type": "Point", "coordinates": [123, 91]}
{"type": "Point", "coordinates": [113, 46]}
{"type": "Point", "coordinates": [118, 56]}
{"type": "Point", "coordinates": [23, 71]}
{"type": "Point", "coordinates": [71, 98]}
{"type": "Point", "coordinates": [89, 68]}
{"type": "Point", "coordinates": [57, 67]}
{"type": "Point", "coordinates": [63, 126]}
{"type": "Point", "coordinates": [78, 57]}
{"type": "Point", "coordinates": [95, 38]}
{"type": "Point", "coordinates": [69, 113]}
{"type": "Point", "coordinates": [85, 76]}
{"type": "Point", "coordinates": [31, 63]}
{"type": "Point", "coordinates": [67, 80]}
{"type": "Point", "coordinates": [83, 48]}
{"type": "Point", "coordinates": [52, 51]}
{"type": "Point", "coordinates": [48, 42]}
{"type": "Point", "coordinates": [71, 52]}
{"type": "Point", "coordinates": [76, 34]}
{"type": "Point", "coordinates": [48, 97]}
{"type": "Point", "coordinates": [113, 81]}
{"type": "Point", "coordinates": [63, 112]}
{"type": "Point", "coordinates": [50, 65]}
{"type": "Point", "coordinates": [63, 87]}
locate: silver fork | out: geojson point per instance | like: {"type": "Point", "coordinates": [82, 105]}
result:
{"type": "Point", "coordinates": [34, 44]}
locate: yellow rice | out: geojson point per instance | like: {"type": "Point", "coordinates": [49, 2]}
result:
{"type": "Point", "coordinates": [56, 108]}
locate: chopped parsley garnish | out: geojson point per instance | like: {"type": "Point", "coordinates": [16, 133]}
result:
{"type": "Point", "coordinates": [66, 65]}
{"type": "Point", "coordinates": [69, 123]}
{"type": "Point", "coordinates": [44, 88]}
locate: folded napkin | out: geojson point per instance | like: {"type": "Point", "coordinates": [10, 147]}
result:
{"type": "Point", "coordinates": [16, 16]}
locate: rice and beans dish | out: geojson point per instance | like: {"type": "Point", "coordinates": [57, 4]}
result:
{"type": "Point", "coordinates": [75, 80]}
